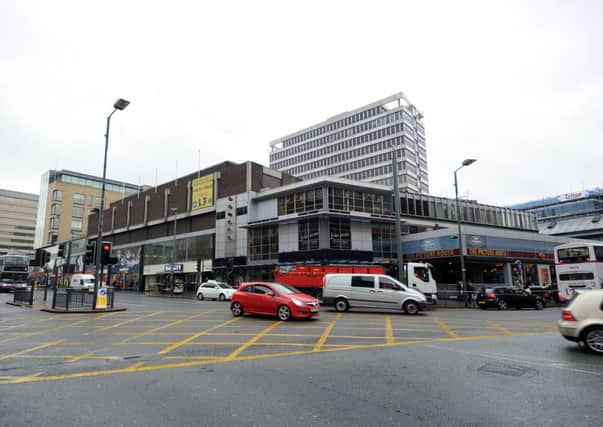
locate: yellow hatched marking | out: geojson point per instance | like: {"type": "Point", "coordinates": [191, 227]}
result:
{"type": "Point", "coordinates": [446, 328]}
{"type": "Point", "coordinates": [501, 328]}
{"type": "Point", "coordinates": [195, 336]}
{"type": "Point", "coordinates": [169, 325]}
{"type": "Point", "coordinates": [125, 322]}
{"type": "Point", "coordinates": [249, 343]}
{"type": "Point", "coordinates": [29, 350]}
{"type": "Point", "coordinates": [325, 335]}
{"type": "Point", "coordinates": [389, 335]}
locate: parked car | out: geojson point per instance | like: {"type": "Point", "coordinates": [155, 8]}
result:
{"type": "Point", "coordinates": [504, 298]}
{"type": "Point", "coordinates": [214, 290]}
{"type": "Point", "coordinates": [346, 291]}
{"type": "Point", "coordinates": [582, 320]}
{"type": "Point", "coordinates": [274, 299]}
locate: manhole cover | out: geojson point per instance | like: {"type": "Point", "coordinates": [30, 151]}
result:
{"type": "Point", "coordinates": [502, 369]}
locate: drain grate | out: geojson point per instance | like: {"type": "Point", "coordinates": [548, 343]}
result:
{"type": "Point", "coordinates": [502, 369]}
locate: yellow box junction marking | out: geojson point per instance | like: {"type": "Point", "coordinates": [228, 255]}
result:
{"type": "Point", "coordinates": [169, 325]}
{"type": "Point", "coordinates": [325, 335]}
{"type": "Point", "coordinates": [389, 335]}
{"type": "Point", "coordinates": [249, 343]}
{"type": "Point", "coordinates": [29, 350]}
{"type": "Point", "coordinates": [125, 322]}
{"type": "Point", "coordinates": [195, 336]}
{"type": "Point", "coordinates": [501, 328]}
{"type": "Point", "coordinates": [446, 328]}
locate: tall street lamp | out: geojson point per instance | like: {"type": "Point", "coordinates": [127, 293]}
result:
{"type": "Point", "coordinates": [397, 240]}
{"type": "Point", "coordinates": [120, 104]}
{"type": "Point", "coordinates": [175, 213]}
{"type": "Point", "coordinates": [466, 162]}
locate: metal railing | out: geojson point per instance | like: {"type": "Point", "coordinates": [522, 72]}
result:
{"type": "Point", "coordinates": [78, 299]}
{"type": "Point", "coordinates": [24, 296]}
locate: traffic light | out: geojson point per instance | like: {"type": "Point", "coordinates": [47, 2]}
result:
{"type": "Point", "coordinates": [45, 257]}
{"type": "Point", "coordinates": [61, 253]}
{"type": "Point", "coordinates": [89, 256]}
{"type": "Point", "coordinates": [105, 253]}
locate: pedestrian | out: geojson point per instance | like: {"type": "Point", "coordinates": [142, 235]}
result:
{"type": "Point", "coordinates": [459, 291]}
{"type": "Point", "coordinates": [471, 290]}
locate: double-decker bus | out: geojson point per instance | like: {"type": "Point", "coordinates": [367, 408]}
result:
{"type": "Point", "coordinates": [14, 272]}
{"type": "Point", "coordinates": [579, 268]}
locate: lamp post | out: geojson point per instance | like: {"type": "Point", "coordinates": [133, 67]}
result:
{"type": "Point", "coordinates": [397, 240]}
{"type": "Point", "coordinates": [466, 162]}
{"type": "Point", "coordinates": [175, 212]}
{"type": "Point", "coordinates": [120, 104]}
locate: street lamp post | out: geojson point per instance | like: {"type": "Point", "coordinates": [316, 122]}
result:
{"type": "Point", "coordinates": [120, 104]}
{"type": "Point", "coordinates": [175, 212]}
{"type": "Point", "coordinates": [466, 162]}
{"type": "Point", "coordinates": [397, 240]}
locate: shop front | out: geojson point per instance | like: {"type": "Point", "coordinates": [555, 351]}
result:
{"type": "Point", "coordinates": [491, 256]}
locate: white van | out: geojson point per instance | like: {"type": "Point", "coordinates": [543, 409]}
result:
{"type": "Point", "coordinates": [82, 281]}
{"type": "Point", "coordinates": [346, 291]}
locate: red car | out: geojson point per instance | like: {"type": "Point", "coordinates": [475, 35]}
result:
{"type": "Point", "coordinates": [277, 299]}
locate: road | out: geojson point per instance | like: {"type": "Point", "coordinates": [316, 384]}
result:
{"type": "Point", "coordinates": [184, 362]}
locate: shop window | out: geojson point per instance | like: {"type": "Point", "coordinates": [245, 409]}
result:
{"type": "Point", "coordinates": [263, 243]}
{"type": "Point", "coordinates": [308, 236]}
{"type": "Point", "coordinates": [339, 233]}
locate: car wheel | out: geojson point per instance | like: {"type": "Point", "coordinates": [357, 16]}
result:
{"type": "Point", "coordinates": [237, 309]}
{"type": "Point", "coordinates": [502, 304]}
{"type": "Point", "coordinates": [221, 297]}
{"type": "Point", "coordinates": [284, 313]}
{"type": "Point", "coordinates": [200, 296]}
{"type": "Point", "coordinates": [341, 305]}
{"type": "Point", "coordinates": [410, 307]}
{"type": "Point", "coordinates": [539, 304]}
{"type": "Point", "coordinates": [593, 339]}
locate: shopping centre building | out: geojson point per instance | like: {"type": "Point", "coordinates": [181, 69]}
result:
{"type": "Point", "coordinates": [237, 222]}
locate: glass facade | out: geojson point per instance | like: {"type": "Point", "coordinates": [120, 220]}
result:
{"type": "Point", "coordinates": [188, 249]}
{"type": "Point", "coordinates": [340, 233]}
{"type": "Point", "coordinates": [263, 243]}
{"type": "Point", "coordinates": [308, 235]}
{"type": "Point", "coordinates": [384, 240]}
{"type": "Point", "coordinates": [304, 201]}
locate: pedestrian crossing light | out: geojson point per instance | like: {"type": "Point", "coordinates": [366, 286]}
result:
{"type": "Point", "coordinates": [89, 256]}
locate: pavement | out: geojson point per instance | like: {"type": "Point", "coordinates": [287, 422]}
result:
{"type": "Point", "coordinates": [179, 362]}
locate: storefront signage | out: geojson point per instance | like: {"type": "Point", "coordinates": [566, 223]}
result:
{"type": "Point", "coordinates": [176, 268]}
{"type": "Point", "coordinates": [476, 241]}
{"type": "Point", "coordinates": [487, 252]}
{"type": "Point", "coordinates": [432, 254]}
{"type": "Point", "coordinates": [203, 192]}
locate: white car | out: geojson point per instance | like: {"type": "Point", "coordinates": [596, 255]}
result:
{"type": "Point", "coordinates": [215, 290]}
{"type": "Point", "coordinates": [582, 320]}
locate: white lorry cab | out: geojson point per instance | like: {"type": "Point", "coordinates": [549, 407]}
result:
{"type": "Point", "coordinates": [419, 277]}
{"type": "Point", "coordinates": [346, 291]}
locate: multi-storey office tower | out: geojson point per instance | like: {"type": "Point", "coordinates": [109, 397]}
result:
{"type": "Point", "coordinates": [17, 221]}
{"type": "Point", "coordinates": [359, 145]}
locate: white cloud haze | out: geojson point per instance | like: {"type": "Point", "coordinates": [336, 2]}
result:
{"type": "Point", "coordinates": [517, 85]}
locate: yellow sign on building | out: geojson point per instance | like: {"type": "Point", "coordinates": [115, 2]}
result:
{"type": "Point", "coordinates": [203, 192]}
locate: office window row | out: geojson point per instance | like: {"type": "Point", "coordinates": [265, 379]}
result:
{"type": "Point", "coordinates": [344, 153]}
{"type": "Point", "coordinates": [127, 189]}
{"type": "Point", "coordinates": [363, 127]}
{"type": "Point", "coordinates": [348, 200]}
{"type": "Point", "coordinates": [342, 144]}
{"type": "Point", "coordinates": [302, 201]}
{"type": "Point", "coordinates": [333, 126]}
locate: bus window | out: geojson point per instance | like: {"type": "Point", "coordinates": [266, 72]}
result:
{"type": "Point", "coordinates": [572, 255]}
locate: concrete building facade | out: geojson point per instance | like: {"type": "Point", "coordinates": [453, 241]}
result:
{"type": "Point", "coordinates": [66, 200]}
{"type": "Point", "coordinates": [359, 145]}
{"type": "Point", "coordinates": [18, 212]}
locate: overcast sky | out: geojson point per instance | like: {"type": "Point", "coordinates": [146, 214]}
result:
{"type": "Point", "coordinates": [517, 85]}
